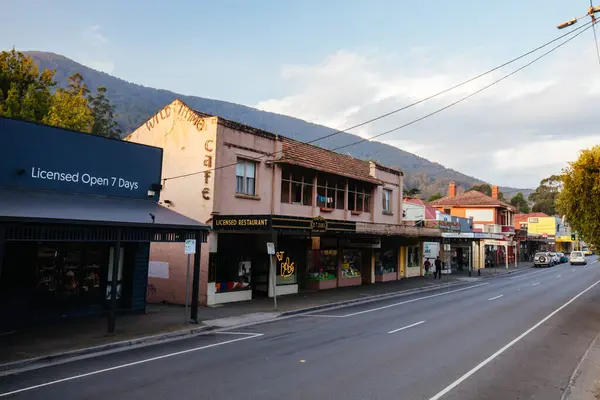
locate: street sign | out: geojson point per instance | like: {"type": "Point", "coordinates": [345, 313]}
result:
{"type": "Point", "coordinates": [271, 248]}
{"type": "Point", "coordinates": [190, 246]}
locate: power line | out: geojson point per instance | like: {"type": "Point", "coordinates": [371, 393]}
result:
{"type": "Point", "coordinates": [467, 96]}
{"type": "Point", "coordinates": [397, 110]}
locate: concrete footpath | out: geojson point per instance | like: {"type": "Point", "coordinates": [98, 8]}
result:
{"type": "Point", "coordinates": [585, 382]}
{"type": "Point", "coordinates": [85, 337]}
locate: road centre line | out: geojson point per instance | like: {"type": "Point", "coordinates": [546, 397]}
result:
{"type": "Point", "coordinates": [407, 326]}
{"type": "Point", "coordinates": [482, 364]}
{"type": "Point", "coordinates": [131, 364]}
{"type": "Point", "coordinates": [497, 297]}
{"type": "Point", "coordinates": [412, 300]}
{"type": "Point", "coordinates": [558, 276]}
{"type": "Point", "coordinates": [535, 284]}
{"type": "Point", "coordinates": [527, 274]}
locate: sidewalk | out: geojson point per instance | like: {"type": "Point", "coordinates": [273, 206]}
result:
{"type": "Point", "coordinates": [497, 271]}
{"type": "Point", "coordinates": [585, 383]}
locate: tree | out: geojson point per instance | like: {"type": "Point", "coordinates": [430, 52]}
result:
{"type": "Point", "coordinates": [411, 193]}
{"type": "Point", "coordinates": [435, 196]}
{"type": "Point", "coordinates": [544, 197]}
{"type": "Point", "coordinates": [104, 115]}
{"type": "Point", "coordinates": [580, 184]}
{"type": "Point", "coordinates": [25, 93]}
{"type": "Point", "coordinates": [69, 107]}
{"type": "Point", "coordinates": [486, 189]}
{"type": "Point", "coordinates": [519, 202]}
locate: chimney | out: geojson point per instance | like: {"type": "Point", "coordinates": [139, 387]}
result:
{"type": "Point", "coordinates": [452, 190]}
{"type": "Point", "coordinates": [495, 192]}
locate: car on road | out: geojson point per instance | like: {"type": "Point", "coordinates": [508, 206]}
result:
{"type": "Point", "coordinates": [563, 258]}
{"type": "Point", "coordinates": [577, 257]}
{"type": "Point", "coordinates": [543, 259]}
{"type": "Point", "coordinates": [555, 258]}
{"type": "Point", "coordinates": [587, 251]}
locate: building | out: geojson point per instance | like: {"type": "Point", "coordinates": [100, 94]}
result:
{"type": "Point", "coordinates": [73, 207]}
{"type": "Point", "coordinates": [335, 220]}
{"type": "Point", "coordinates": [529, 244]}
{"type": "Point", "coordinates": [492, 223]}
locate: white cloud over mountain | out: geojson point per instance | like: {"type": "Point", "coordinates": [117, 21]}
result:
{"type": "Point", "coordinates": [515, 133]}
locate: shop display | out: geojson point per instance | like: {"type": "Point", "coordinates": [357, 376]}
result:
{"type": "Point", "coordinates": [351, 264]}
{"type": "Point", "coordinates": [386, 262]}
{"type": "Point", "coordinates": [322, 265]}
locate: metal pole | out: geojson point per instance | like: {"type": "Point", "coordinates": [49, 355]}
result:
{"type": "Point", "coordinates": [196, 280]}
{"type": "Point", "coordinates": [187, 287]}
{"type": "Point", "coordinates": [113, 284]}
{"type": "Point", "coordinates": [273, 281]}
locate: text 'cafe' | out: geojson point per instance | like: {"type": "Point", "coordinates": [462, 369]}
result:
{"type": "Point", "coordinates": [77, 215]}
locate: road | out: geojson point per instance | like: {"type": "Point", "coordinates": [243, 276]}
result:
{"type": "Point", "coordinates": [514, 337]}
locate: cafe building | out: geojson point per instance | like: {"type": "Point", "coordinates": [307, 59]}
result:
{"type": "Point", "coordinates": [77, 216]}
{"type": "Point", "coordinates": [334, 220]}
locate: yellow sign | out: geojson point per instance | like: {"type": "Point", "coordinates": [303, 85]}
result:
{"type": "Point", "coordinates": [286, 268]}
{"type": "Point", "coordinates": [319, 225]}
{"type": "Point", "coordinates": [542, 226]}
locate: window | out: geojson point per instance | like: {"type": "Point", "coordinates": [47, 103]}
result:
{"type": "Point", "coordinates": [330, 192]}
{"type": "Point", "coordinates": [387, 201]}
{"type": "Point", "coordinates": [297, 187]}
{"type": "Point", "coordinates": [245, 177]}
{"type": "Point", "coordinates": [359, 197]}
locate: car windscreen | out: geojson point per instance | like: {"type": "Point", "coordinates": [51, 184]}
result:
{"type": "Point", "coordinates": [576, 254]}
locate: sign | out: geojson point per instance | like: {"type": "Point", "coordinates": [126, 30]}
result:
{"type": "Point", "coordinates": [319, 225]}
{"type": "Point", "coordinates": [242, 222]}
{"type": "Point", "coordinates": [270, 248]}
{"type": "Point", "coordinates": [445, 226]}
{"type": "Point", "coordinates": [35, 156]}
{"type": "Point", "coordinates": [431, 250]}
{"type": "Point", "coordinates": [190, 246]}
{"type": "Point", "coordinates": [447, 247]}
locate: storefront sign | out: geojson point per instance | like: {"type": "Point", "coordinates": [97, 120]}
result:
{"type": "Point", "coordinates": [35, 156]}
{"type": "Point", "coordinates": [319, 225]}
{"type": "Point", "coordinates": [190, 246]}
{"type": "Point", "coordinates": [242, 222]}
{"type": "Point", "coordinates": [447, 226]}
{"type": "Point", "coordinates": [286, 268]}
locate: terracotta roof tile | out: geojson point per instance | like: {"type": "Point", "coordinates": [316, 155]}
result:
{"type": "Point", "coordinates": [313, 157]}
{"type": "Point", "coordinates": [471, 198]}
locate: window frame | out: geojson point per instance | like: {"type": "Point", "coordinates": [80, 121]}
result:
{"type": "Point", "coordinates": [387, 198]}
{"type": "Point", "coordinates": [287, 176]}
{"type": "Point", "coordinates": [245, 177]}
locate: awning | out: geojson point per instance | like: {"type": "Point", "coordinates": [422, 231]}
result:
{"type": "Point", "coordinates": [20, 205]}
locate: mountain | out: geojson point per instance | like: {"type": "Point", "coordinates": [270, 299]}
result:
{"type": "Point", "coordinates": [135, 104]}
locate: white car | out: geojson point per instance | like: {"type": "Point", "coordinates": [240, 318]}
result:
{"type": "Point", "coordinates": [555, 258]}
{"type": "Point", "coordinates": [578, 257]}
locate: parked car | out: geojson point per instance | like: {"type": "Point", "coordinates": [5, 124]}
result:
{"type": "Point", "coordinates": [563, 258]}
{"type": "Point", "coordinates": [577, 257]}
{"type": "Point", "coordinates": [555, 258]}
{"type": "Point", "coordinates": [543, 259]}
{"type": "Point", "coordinates": [587, 251]}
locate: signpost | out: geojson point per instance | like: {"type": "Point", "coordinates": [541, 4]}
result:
{"type": "Point", "coordinates": [272, 274]}
{"type": "Point", "coordinates": [190, 248]}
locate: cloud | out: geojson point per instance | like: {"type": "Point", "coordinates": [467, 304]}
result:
{"type": "Point", "coordinates": [96, 35]}
{"type": "Point", "coordinates": [515, 133]}
{"type": "Point", "coordinates": [96, 53]}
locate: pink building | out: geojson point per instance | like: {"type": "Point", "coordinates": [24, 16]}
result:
{"type": "Point", "coordinates": [334, 220]}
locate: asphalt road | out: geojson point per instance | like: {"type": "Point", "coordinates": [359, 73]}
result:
{"type": "Point", "coordinates": [515, 337]}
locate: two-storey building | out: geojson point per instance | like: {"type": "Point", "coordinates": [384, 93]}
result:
{"type": "Point", "coordinates": [492, 219]}
{"type": "Point", "coordinates": [334, 220]}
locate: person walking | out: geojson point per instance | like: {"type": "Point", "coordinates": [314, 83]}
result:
{"type": "Point", "coordinates": [438, 268]}
{"type": "Point", "coordinates": [427, 267]}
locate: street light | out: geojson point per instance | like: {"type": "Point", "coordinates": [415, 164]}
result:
{"type": "Point", "coordinates": [592, 10]}
{"type": "Point", "coordinates": [568, 23]}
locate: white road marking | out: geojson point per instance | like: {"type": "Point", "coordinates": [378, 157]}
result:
{"type": "Point", "coordinates": [131, 364]}
{"type": "Point", "coordinates": [482, 364]}
{"type": "Point", "coordinates": [238, 333]}
{"type": "Point", "coordinates": [412, 300]}
{"type": "Point", "coordinates": [320, 316]}
{"type": "Point", "coordinates": [497, 297]}
{"type": "Point", "coordinates": [407, 326]}
{"type": "Point", "coordinates": [535, 284]}
{"type": "Point", "coordinates": [558, 276]}
{"type": "Point", "coordinates": [573, 270]}
{"type": "Point", "coordinates": [527, 274]}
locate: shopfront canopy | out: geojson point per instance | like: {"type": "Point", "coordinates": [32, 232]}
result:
{"type": "Point", "coordinates": [34, 214]}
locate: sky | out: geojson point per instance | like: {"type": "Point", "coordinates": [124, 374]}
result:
{"type": "Point", "coordinates": [342, 62]}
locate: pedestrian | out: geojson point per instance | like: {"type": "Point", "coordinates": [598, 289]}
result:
{"type": "Point", "coordinates": [427, 266]}
{"type": "Point", "coordinates": [438, 268]}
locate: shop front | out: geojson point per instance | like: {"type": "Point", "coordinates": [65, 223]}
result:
{"type": "Point", "coordinates": [77, 216]}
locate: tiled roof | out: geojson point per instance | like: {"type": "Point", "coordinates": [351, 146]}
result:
{"type": "Point", "coordinates": [313, 157]}
{"type": "Point", "coordinates": [525, 217]}
{"type": "Point", "coordinates": [471, 198]}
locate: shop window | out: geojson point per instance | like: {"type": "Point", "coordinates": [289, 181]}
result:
{"type": "Point", "coordinates": [330, 192]}
{"type": "Point", "coordinates": [351, 263]}
{"type": "Point", "coordinates": [322, 265]}
{"type": "Point", "coordinates": [245, 177]}
{"type": "Point", "coordinates": [359, 197]}
{"type": "Point", "coordinates": [286, 268]}
{"type": "Point", "coordinates": [296, 187]}
{"type": "Point", "coordinates": [414, 257]}
{"type": "Point", "coordinates": [386, 261]}
{"type": "Point", "coordinates": [387, 201]}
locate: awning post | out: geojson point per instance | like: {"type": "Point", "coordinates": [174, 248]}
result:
{"type": "Point", "coordinates": [113, 284]}
{"type": "Point", "coordinates": [196, 280]}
